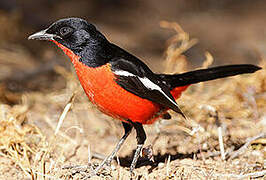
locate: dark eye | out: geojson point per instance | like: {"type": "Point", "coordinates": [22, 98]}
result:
{"type": "Point", "coordinates": [65, 31]}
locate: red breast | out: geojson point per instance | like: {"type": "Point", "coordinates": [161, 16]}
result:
{"type": "Point", "coordinates": [102, 90]}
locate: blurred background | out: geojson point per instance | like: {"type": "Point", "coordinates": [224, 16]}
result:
{"type": "Point", "coordinates": [233, 31]}
{"type": "Point", "coordinates": [37, 80]}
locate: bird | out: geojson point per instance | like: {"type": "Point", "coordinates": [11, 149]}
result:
{"type": "Point", "coordinates": [120, 84]}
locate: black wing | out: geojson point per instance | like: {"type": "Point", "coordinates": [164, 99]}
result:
{"type": "Point", "coordinates": [137, 78]}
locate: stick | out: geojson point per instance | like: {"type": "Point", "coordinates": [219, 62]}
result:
{"type": "Point", "coordinates": [64, 113]}
{"type": "Point", "coordinates": [241, 176]}
{"type": "Point", "coordinates": [214, 113]}
{"type": "Point", "coordinates": [221, 144]}
{"type": "Point", "coordinates": [245, 146]}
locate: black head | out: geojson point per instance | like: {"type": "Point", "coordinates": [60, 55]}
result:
{"type": "Point", "coordinates": [73, 33]}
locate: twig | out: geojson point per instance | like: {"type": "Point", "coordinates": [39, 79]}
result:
{"type": "Point", "coordinates": [75, 167]}
{"type": "Point", "coordinates": [41, 174]}
{"type": "Point", "coordinates": [98, 156]}
{"type": "Point", "coordinates": [245, 146]}
{"type": "Point", "coordinates": [44, 171]}
{"type": "Point", "coordinates": [241, 176]}
{"type": "Point", "coordinates": [221, 144]}
{"type": "Point", "coordinates": [89, 155]}
{"type": "Point", "coordinates": [61, 133]}
{"type": "Point", "coordinates": [218, 153]}
{"type": "Point", "coordinates": [208, 61]}
{"type": "Point", "coordinates": [214, 113]}
{"type": "Point", "coordinates": [64, 113]}
{"type": "Point", "coordinates": [73, 154]}
{"type": "Point", "coordinates": [167, 165]}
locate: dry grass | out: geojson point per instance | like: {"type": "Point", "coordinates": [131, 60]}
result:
{"type": "Point", "coordinates": [39, 141]}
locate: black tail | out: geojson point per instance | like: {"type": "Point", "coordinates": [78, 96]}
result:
{"type": "Point", "coordinates": [201, 75]}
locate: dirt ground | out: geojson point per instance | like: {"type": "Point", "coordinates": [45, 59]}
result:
{"type": "Point", "coordinates": [39, 89]}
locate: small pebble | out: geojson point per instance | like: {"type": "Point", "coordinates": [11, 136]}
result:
{"type": "Point", "coordinates": [257, 153]}
{"type": "Point", "coordinates": [205, 146]}
{"type": "Point", "coordinates": [161, 165]}
{"type": "Point", "coordinates": [113, 167]}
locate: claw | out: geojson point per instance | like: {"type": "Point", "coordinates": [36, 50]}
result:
{"type": "Point", "coordinates": [147, 153]}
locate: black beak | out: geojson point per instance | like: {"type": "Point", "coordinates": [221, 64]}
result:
{"type": "Point", "coordinates": [43, 35]}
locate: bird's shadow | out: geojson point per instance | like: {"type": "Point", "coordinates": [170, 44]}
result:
{"type": "Point", "coordinates": [159, 158]}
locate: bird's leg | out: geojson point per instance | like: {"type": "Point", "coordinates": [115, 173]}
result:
{"type": "Point", "coordinates": [127, 128]}
{"type": "Point", "coordinates": [141, 137]}
{"type": "Point", "coordinates": [108, 159]}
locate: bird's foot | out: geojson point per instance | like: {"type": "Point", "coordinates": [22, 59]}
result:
{"type": "Point", "coordinates": [147, 152]}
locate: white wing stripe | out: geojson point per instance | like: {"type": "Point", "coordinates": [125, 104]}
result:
{"type": "Point", "coordinates": [150, 85]}
{"type": "Point", "coordinates": [123, 73]}
{"type": "Point", "coordinates": [146, 82]}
